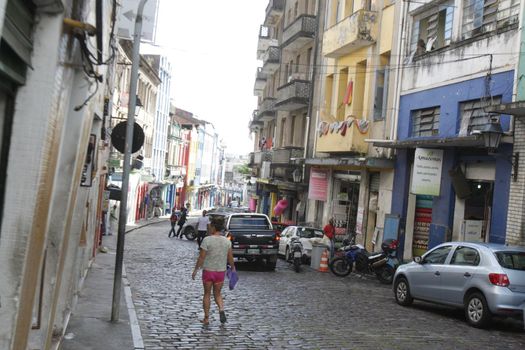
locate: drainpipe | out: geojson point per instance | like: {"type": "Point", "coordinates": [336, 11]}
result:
{"type": "Point", "coordinates": [312, 87]}
{"type": "Point", "coordinates": [397, 80]}
{"type": "Point", "coordinates": [123, 214]}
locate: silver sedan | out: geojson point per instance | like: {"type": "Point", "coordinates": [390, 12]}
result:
{"type": "Point", "coordinates": [482, 278]}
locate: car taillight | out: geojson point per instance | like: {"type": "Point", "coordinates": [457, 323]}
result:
{"type": "Point", "coordinates": [393, 245]}
{"type": "Point", "coordinates": [277, 237]}
{"type": "Point", "coordinates": [499, 279]}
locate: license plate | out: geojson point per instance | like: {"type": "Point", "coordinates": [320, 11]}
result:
{"type": "Point", "coordinates": [297, 254]}
{"type": "Point", "coordinates": [253, 251]}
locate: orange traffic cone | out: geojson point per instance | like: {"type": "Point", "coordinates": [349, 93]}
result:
{"type": "Point", "coordinates": [323, 267]}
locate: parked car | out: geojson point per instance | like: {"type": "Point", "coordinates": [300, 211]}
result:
{"type": "Point", "coordinates": [279, 227]}
{"type": "Point", "coordinates": [253, 238]}
{"type": "Point", "coordinates": [190, 227]}
{"type": "Point", "coordinates": [305, 235]}
{"type": "Point", "coordinates": [483, 279]}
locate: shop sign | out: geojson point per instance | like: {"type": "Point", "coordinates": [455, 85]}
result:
{"type": "Point", "coordinates": [318, 189]}
{"type": "Point", "coordinates": [426, 175]}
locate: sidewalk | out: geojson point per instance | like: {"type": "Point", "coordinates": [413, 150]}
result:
{"type": "Point", "coordinates": [89, 326]}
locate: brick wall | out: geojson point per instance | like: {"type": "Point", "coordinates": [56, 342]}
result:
{"type": "Point", "coordinates": [515, 218]}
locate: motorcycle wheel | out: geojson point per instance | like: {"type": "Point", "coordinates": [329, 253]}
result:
{"type": "Point", "coordinates": [340, 267]}
{"type": "Point", "coordinates": [385, 274]}
{"type": "Point", "coordinates": [297, 264]}
{"type": "Point", "coordinates": [190, 233]}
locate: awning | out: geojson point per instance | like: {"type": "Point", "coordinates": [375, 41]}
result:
{"type": "Point", "coordinates": [461, 141]}
{"type": "Point", "coordinates": [513, 108]}
{"type": "Point", "coordinates": [444, 142]}
{"type": "Point", "coordinates": [358, 162]}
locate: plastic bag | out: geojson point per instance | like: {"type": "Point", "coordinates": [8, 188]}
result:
{"type": "Point", "coordinates": [233, 277]}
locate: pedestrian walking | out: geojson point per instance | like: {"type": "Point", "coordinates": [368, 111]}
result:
{"type": "Point", "coordinates": [182, 219]}
{"type": "Point", "coordinates": [113, 220]}
{"type": "Point", "coordinates": [173, 221]}
{"type": "Point", "coordinates": [215, 253]}
{"type": "Point", "coordinates": [329, 235]}
{"type": "Point", "coordinates": [202, 227]}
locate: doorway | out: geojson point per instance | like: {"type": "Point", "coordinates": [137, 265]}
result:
{"type": "Point", "coordinates": [478, 210]}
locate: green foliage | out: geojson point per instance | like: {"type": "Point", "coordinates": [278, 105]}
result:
{"type": "Point", "coordinates": [243, 169]}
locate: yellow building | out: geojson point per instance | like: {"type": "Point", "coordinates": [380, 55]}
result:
{"type": "Point", "coordinates": [355, 106]}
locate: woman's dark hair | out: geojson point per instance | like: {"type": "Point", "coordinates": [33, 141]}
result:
{"type": "Point", "coordinates": [217, 222]}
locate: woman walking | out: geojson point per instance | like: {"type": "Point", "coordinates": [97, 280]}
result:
{"type": "Point", "coordinates": [215, 252]}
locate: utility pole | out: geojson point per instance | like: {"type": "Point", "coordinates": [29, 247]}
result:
{"type": "Point", "coordinates": [123, 214]}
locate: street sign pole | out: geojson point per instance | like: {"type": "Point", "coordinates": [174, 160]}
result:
{"type": "Point", "coordinates": [123, 215]}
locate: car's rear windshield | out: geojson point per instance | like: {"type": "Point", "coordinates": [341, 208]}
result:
{"type": "Point", "coordinates": [249, 222]}
{"type": "Point", "coordinates": [511, 260]}
{"type": "Point", "coordinates": [310, 233]}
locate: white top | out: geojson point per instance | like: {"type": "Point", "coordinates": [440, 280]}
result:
{"type": "Point", "coordinates": [203, 223]}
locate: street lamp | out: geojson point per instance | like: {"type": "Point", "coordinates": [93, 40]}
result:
{"type": "Point", "coordinates": [491, 134]}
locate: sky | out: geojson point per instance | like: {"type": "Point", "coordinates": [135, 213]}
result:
{"type": "Point", "coordinates": [212, 46]}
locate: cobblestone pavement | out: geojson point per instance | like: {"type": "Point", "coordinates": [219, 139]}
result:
{"type": "Point", "coordinates": [287, 310]}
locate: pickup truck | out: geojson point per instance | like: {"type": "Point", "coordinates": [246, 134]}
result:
{"type": "Point", "coordinates": [253, 238]}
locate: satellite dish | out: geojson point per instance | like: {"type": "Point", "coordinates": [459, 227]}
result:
{"type": "Point", "coordinates": [118, 137]}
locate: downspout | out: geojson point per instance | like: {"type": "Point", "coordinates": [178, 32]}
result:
{"type": "Point", "coordinates": [397, 80]}
{"type": "Point", "coordinates": [312, 87]}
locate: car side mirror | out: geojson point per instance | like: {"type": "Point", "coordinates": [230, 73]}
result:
{"type": "Point", "coordinates": [418, 259]}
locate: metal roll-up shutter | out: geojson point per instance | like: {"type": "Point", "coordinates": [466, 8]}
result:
{"type": "Point", "coordinates": [374, 182]}
{"type": "Point", "coordinates": [16, 44]}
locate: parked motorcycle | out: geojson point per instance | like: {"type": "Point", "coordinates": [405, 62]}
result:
{"type": "Point", "coordinates": [296, 253]}
{"type": "Point", "coordinates": [383, 264]}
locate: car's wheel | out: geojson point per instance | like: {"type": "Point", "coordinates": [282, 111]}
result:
{"type": "Point", "coordinates": [477, 311]}
{"type": "Point", "coordinates": [190, 233]}
{"type": "Point", "coordinates": [340, 267]}
{"type": "Point", "coordinates": [402, 292]}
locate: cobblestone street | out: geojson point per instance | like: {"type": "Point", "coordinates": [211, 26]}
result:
{"type": "Point", "coordinates": [286, 310]}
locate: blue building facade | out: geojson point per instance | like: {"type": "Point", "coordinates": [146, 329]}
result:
{"type": "Point", "coordinates": [447, 217]}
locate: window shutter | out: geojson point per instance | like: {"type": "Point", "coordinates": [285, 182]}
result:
{"type": "Point", "coordinates": [16, 44]}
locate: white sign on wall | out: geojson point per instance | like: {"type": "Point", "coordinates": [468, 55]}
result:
{"type": "Point", "coordinates": [126, 19]}
{"type": "Point", "coordinates": [472, 230]}
{"type": "Point", "coordinates": [426, 174]}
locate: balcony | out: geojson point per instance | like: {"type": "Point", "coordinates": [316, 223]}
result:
{"type": "Point", "coordinates": [261, 156]}
{"type": "Point", "coordinates": [352, 33]}
{"type": "Point", "coordinates": [265, 41]}
{"type": "Point", "coordinates": [260, 82]}
{"type": "Point", "coordinates": [282, 156]}
{"type": "Point", "coordinates": [271, 60]}
{"type": "Point", "coordinates": [299, 33]}
{"type": "Point", "coordinates": [274, 11]}
{"type": "Point", "coordinates": [353, 140]}
{"type": "Point", "coordinates": [250, 159]}
{"type": "Point", "coordinates": [293, 95]}
{"type": "Point", "coordinates": [255, 123]}
{"type": "Point", "coordinates": [266, 110]}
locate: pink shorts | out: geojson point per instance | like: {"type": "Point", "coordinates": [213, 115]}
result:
{"type": "Point", "coordinates": [213, 276]}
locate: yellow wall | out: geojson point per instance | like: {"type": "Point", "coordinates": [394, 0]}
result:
{"type": "Point", "coordinates": [386, 31]}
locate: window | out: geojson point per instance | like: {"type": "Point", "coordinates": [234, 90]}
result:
{"type": "Point", "coordinates": [511, 260]}
{"type": "Point", "coordinates": [425, 122]}
{"type": "Point", "coordinates": [437, 256]}
{"type": "Point", "coordinates": [473, 115]}
{"type": "Point", "coordinates": [297, 60]}
{"type": "Point", "coordinates": [308, 63]}
{"type": "Point", "coordinates": [295, 9]}
{"type": "Point", "coordinates": [465, 256]}
{"type": "Point", "coordinates": [481, 16]}
{"type": "Point", "coordinates": [380, 100]}
{"type": "Point", "coordinates": [432, 29]}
